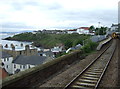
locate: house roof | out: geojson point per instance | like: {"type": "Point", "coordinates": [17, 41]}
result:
{"type": "Point", "coordinates": [114, 25]}
{"type": "Point", "coordinates": [4, 54]}
{"type": "Point", "coordinates": [85, 28]}
{"type": "Point", "coordinates": [78, 46]}
{"type": "Point", "coordinates": [73, 30]}
{"type": "Point", "coordinates": [48, 53]}
{"type": "Point", "coordinates": [33, 60]}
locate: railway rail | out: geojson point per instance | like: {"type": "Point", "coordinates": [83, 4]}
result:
{"type": "Point", "coordinates": [91, 76]}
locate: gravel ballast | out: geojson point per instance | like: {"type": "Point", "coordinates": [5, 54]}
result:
{"type": "Point", "coordinates": [64, 77]}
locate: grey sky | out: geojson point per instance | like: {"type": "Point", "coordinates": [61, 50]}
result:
{"type": "Point", "coordinates": [18, 15]}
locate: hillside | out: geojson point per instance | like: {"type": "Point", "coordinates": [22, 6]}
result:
{"type": "Point", "coordinates": [50, 40]}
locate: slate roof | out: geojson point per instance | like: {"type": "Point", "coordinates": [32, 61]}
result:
{"type": "Point", "coordinates": [85, 28]}
{"type": "Point", "coordinates": [48, 53]}
{"type": "Point", "coordinates": [72, 30]}
{"type": "Point", "coordinates": [4, 54]}
{"type": "Point", "coordinates": [78, 46]}
{"type": "Point", "coordinates": [33, 60]}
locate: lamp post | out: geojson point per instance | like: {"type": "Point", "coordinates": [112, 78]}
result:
{"type": "Point", "coordinates": [98, 30]}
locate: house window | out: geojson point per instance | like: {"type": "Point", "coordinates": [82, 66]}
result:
{"type": "Point", "coordinates": [14, 66]}
{"type": "Point", "coordinates": [29, 66]}
{"type": "Point", "coordinates": [2, 64]}
{"type": "Point", "coordinates": [7, 66]}
{"type": "Point", "coordinates": [20, 66]}
{"type": "Point", "coordinates": [40, 54]}
{"type": "Point", "coordinates": [4, 60]}
{"type": "Point", "coordinates": [7, 59]}
{"type": "Point", "coordinates": [24, 66]}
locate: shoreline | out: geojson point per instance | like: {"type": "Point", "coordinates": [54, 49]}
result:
{"type": "Point", "coordinates": [15, 40]}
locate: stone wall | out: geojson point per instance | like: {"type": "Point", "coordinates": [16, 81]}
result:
{"type": "Point", "coordinates": [38, 74]}
{"type": "Point", "coordinates": [26, 52]}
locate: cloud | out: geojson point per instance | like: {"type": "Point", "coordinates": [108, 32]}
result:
{"type": "Point", "coordinates": [15, 25]}
{"type": "Point", "coordinates": [40, 14]}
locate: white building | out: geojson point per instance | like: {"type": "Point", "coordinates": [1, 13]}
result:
{"type": "Point", "coordinates": [74, 48]}
{"type": "Point", "coordinates": [22, 63]}
{"type": "Point", "coordinates": [57, 49]}
{"type": "Point", "coordinates": [114, 27]}
{"type": "Point", "coordinates": [83, 30]}
{"type": "Point", "coordinates": [34, 32]}
{"type": "Point", "coordinates": [72, 31]}
{"type": "Point", "coordinates": [6, 61]}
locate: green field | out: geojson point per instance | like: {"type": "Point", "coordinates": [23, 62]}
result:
{"type": "Point", "coordinates": [50, 40]}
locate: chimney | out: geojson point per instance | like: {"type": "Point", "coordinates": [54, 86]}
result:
{"type": "Point", "coordinates": [13, 47]}
{"type": "Point", "coordinates": [1, 47]}
{"type": "Point", "coordinates": [27, 47]}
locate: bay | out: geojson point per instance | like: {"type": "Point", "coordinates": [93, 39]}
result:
{"type": "Point", "coordinates": [17, 44]}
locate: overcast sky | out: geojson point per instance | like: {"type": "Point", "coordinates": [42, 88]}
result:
{"type": "Point", "coordinates": [18, 15]}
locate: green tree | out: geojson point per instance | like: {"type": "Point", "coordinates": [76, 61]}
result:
{"type": "Point", "coordinates": [96, 31]}
{"type": "Point", "coordinates": [92, 28]}
{"type": "Point", "coordinates": [68, 44]}
{"type": "Point", "coordinates": [100, 31]}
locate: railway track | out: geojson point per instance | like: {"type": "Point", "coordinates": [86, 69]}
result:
{"type": "Point", "coordinates": [91, 76]}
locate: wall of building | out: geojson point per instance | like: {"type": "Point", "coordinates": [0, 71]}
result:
{"type": "Point", "coordinates": [20, 67]}
{"type": "Point", "coordinates": [7, 64]}
{"type": "Point", "coordinates": [119, 27]}
{"type": "Point", "coordinates": [26, 52]}
{"type": "Point", "coordinates": [40, 73]}
{"type": "Point", "coordinates": [82, 31]}
{"type": "Point", "coordinates": [114, 28]}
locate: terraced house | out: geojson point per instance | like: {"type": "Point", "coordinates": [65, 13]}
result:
{"type": "Point", "coordinates": [22, 62]}
{"type": "Point", "coordinates": [6, 61]}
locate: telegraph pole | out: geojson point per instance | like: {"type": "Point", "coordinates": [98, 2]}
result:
{"type": "Point", "coordinates": [98, 28]}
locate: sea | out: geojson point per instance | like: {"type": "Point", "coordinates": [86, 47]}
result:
{"type": "Point", "coordinates": [9, 42]}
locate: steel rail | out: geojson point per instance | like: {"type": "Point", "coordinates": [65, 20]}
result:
{"type": "Point", "coordinates": [105, 68]}
{"type": "Point", "coordinates": [87, 68]}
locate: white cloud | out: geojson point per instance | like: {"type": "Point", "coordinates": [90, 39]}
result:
{"type": "Point", "coordinates": [58, 13]}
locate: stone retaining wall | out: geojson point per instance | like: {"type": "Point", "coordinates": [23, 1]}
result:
{"type": "Point", "coordinates": [38, 74]}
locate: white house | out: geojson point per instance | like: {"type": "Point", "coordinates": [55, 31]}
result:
{"type": "Point", "coordinates": [74, 48]}
{"type": "Point", "coordinates": [114, 27]}
{"type": "Point", "coordinates": [57, 49]}
{"type": "Point", "coordinates": [6, 61]}
{"type": "Point", "coordinates": [83, 30]}
{"type": "Point", "coordinates": [72, 31]}
{"type": "Point", "coordinates": [22, 62]}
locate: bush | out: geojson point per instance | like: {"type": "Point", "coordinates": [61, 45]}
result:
{"type": "Point", "coordinates": [90, 46]}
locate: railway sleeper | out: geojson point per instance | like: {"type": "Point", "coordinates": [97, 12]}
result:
{"type": "Point", "coordinates": [89, 78]}
{"type": "Point", "coordinates": [92, 75]}
{"type": "Point", "coordinates": [79, 87]}
{"type": "Point", "coordinates": [88, 81]}
{"type": "Point", "coordinates": [85, 84]}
